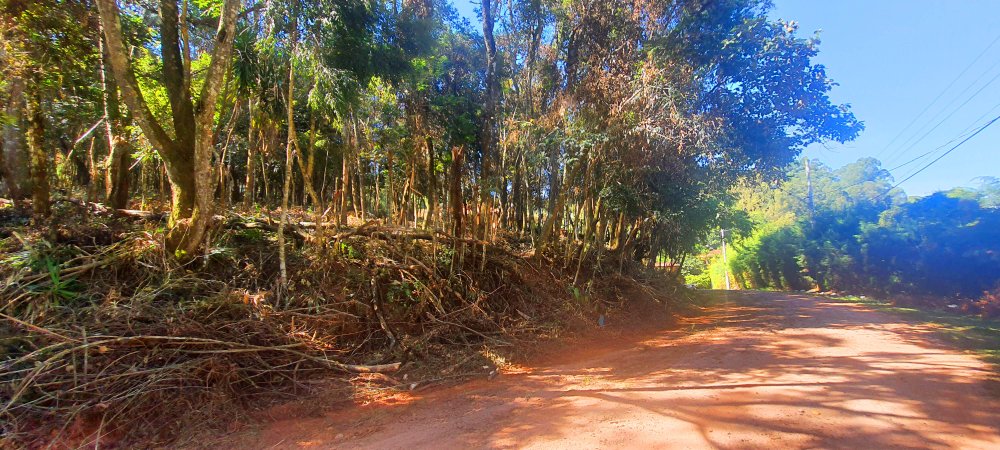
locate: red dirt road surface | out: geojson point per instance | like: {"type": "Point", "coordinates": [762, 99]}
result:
{"type": "Point", "coordinates": [762, 370]}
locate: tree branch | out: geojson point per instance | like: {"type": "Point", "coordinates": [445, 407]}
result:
{"type": "Point", "coordinates": [173, 75]}
{"type": "Point", "coordinates": [122, 68]}
{"type": "Point", "coordinates": [221, 53]}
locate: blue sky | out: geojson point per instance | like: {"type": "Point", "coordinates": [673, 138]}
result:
{"type": "Point", "coordinates": [892, 59]}
{"type": "Point", "coordinates": [467, 8]}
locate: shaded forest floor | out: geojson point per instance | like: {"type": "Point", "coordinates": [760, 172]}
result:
{"type": "Point", "coordinates": [106, 339]}
{"type": "Point", "coordinates": [754, 370]}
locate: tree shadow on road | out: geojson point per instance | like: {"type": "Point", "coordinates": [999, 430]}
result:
{"type": "Point", "coordinates": [771, 368]}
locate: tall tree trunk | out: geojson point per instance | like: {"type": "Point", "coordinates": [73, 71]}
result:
{"type": "Point", "coordinates": [555, 204]}
{"type": "Point", "coordinates": [290, 147]}
{"type": "Point", "coordinates": [502, 202]}
{"type": "Point", "coordinates": [117, 180]}
{"type": "Point", "coordinates": [619, 233]}
{"type": "Point", "coordinates": [91, 161]}
{"type": "Point", "coordinates": [264, 177]}
{"type": "Point", "coordinates": [224, 169]}
{"type": "Point", "coordinates": [345, 178]}
{"type": "Point", "coordinates": [250, 186]}
{"type": "Point", "coordinates": [310, 168]}
{"type": "Point", "coordinates": [306, 170]}
{"type": "Point", "coordinates": [390, 191]}
{"type": "Point", "coordinates": [6, 175]}
{"type": "Point", "coordinates": [39, 157]}
{"type": "Point", "coordinates": [4, 170]}
{"type": "Point", "coordinates": [360, 187]}
{"type": "Point", "coordinates": [487, 137]}
{"type": "Point", "coordinates": [356, 188]}
{"type": "Point", "coordinates": [431, 182]}
{"type": "Point", "coordinates": [600, 237]}
{"type": "Point", "coordinates": [455, 189]}
{"type": "Point", "coordinates": [13, 145]}
{"type": "Point", "coordinates": [517, 202]}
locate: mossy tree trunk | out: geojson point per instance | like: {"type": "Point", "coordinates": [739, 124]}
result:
{"type": "Point", "coordinates": [187, 154]}
{"type": "Point", "coordinates": [39, 157]}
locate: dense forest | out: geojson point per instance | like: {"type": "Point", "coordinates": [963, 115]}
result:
{"type": "Point", "coordinates": [216, 199]}
{"type": "Point", "coordinates": [607, 124]}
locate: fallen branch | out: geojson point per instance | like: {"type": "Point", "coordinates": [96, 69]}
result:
{"type": "Point", "coordinates": [148, 216]}
{"type": "Point", "coordinates": [53, 355]}
{"type": "Point", "coordinates": [37, 328]}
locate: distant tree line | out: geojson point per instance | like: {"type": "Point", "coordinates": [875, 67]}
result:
{"type": "Point", "coordinates": [858, 234]}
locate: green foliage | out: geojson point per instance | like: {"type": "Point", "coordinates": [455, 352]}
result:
{"type": "Point", "coordinates": [250, 235]}
{"type": "Point", "coordinates": [938, 244]}
{"type": "Point", "coordinates": [581, 295]}
{"type": "Point", "coordinates": [43, 258]}
{"type": "Point", "coordinates": [988, 192]}
{"type": "Point", "coordinates": [405, 292]}
{"type": "Point", "coordinates": [696, 273]}
{"type": "Point", "coordinates": [770, 258]}
{"type": "Point", "coordinates": [647, 112]}
{"type": "Point", "coordinates": [350, 251]}
{"type": "Point", "coordinates": [702, 280]}
{"type": "Point", "coordinates": [761, 82]}
{"type": "Point", "coordinates": [717, 272]}
{"type": "Point", "coordinates": [58, 288]}
{"type": "Point", "coordinates": [863, 236]}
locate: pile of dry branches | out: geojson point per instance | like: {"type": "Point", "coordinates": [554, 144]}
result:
{"type": "Point", "coordinates": [118, 340]}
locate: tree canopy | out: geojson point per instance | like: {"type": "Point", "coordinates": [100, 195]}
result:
{"type": "Point", "coordinates": [604, 128]}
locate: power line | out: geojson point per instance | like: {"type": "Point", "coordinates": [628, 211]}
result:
{"type": "Point", "coordinates": [941, 94]}
{"type": "Point", "coordinates": [942, 121]}
{"type": "Point", "coordinates": [980, 130]}
{"type": "Point", "coordinates": [922, 156]}
{"type": "Point", "coordinates": [960, 136]}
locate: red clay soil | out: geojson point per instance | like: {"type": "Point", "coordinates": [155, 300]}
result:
{"type": "Point", "coordinates": [762, 370]}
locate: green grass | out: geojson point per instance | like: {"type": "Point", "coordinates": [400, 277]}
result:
{"type": "Point", "coordinates": [979, 336]}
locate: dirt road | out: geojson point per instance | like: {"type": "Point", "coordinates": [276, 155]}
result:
{"type": "Point", "coordinates": [761, 371]}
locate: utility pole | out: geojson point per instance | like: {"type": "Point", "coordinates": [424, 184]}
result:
{"type": "Point", "coordinates": [725, 261]}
